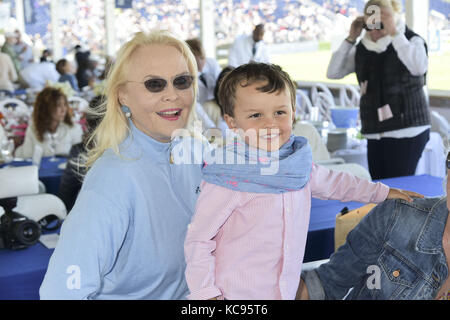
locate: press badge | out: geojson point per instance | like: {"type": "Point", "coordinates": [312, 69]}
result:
{"type": "Point", "coordinates": [384, 113]}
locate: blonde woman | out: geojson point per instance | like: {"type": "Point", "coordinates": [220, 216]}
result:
{"type": "Point", "coordinates": [391, 63]}
{"type": "Point", "coordinates": [124, 237]}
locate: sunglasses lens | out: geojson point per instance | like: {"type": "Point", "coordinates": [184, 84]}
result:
{"type": "Point", "coordinates": [158, 85]}
{"type": "Point", "coordinates": [448, 161]}
{"type": "Point", "coordinates": [183, 82]}
{"type": "Point", "coordinates": [155, 85]}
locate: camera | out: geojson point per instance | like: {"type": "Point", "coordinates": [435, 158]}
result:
{"type": "Point", "coordinates": [25, 209]}
{"type": "Point", "coordinates": [16, 230]}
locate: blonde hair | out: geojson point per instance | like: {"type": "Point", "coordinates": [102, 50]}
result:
{"type": "Point", "coordinates": [395, 5]}
{"type": "Point", "coordinates": [114, 127]}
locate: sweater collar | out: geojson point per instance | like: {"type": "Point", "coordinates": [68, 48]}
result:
{"type": "Point", "coordinates": [139, 144]}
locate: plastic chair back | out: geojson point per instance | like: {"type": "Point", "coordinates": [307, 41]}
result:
{"type": "Point", "coordinates": [78, 103]}
{"type": "Point", "coordinates": [319, 89]}
{"type": "Point", "coordinates": [12, 107]}
{"type": "Point", "coordinates": [349, 101]}
{"type": "Point", "coordinates": [303, 105]}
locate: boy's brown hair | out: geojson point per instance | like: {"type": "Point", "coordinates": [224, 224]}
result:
{"type": "Point", "coordinates": [275, 79]}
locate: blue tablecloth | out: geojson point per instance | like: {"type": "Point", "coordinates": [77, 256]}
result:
{"type": "Point", "coordinates": [22, 272]}
{"type": "Point", "coordinates": [49, 173]}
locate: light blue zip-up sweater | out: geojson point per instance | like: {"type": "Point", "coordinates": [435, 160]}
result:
{"type": "Point", "coordinates": [124, 237]}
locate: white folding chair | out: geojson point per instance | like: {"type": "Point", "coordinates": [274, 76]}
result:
{"type": "Point", "coordinates": [440, 124]}
{"type": "Point", "coordinates": [303, 105]}
{"type": "Point", "coordinates": [13, 108]}
{"type": "Point", "coordinates": [78, 103]}
{"type": "Point", "coordinates": [31, 94]}
{"type": "Point", "coordinates": [5, 94]}
{"type": "Point", "coordinates": [319, 90]}
{"type": "Point", "coordinates": [324, 102]}
{"type": "Point", "coordinates": [349, 101]}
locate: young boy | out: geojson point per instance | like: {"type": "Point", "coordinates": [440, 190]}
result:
{"type": "Point", "coordinates": [247, 237]}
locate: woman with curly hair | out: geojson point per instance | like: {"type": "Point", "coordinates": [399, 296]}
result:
{"type": "Point", "coordinates": [51, 127]}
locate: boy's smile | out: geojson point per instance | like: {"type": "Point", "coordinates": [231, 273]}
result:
{"type": "Point", "coordinates": [263, 119]}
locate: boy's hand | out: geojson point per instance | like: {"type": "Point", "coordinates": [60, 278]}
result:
{"type": "Point", "coordinates": [403, 194]}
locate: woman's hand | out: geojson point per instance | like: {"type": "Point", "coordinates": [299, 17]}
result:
{"type": "Point", "coordinates": [356, 28]}
{"type": "Point", "coordinates": [403, 194]}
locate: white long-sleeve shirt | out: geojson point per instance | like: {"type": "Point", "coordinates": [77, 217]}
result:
{"type": "Point", "coordinates": [412, 54]}
{"type": "Point", "coordinates": [66, 137]}
{"type": "Point", "coordinates": [241, 51]}
{"type": "Point", "coordinates": [37, 75]}
{"type": "Point", "coordinates": [210, 72]}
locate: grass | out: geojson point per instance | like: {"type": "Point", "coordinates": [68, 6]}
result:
{"type": "Point", "coordinates": [312, 66]}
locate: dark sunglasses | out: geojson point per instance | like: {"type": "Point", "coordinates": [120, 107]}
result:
{"type": "Point", "coordinates": [448, 161]}
{"type": "Point", "coordinates": [156, 85]}
{"type": "Point", "coordinates": [366, 27]}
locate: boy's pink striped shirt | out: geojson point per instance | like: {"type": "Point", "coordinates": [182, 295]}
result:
{"type": "Point", "coordinates": [243, 245]}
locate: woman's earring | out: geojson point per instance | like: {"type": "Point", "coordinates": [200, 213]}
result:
{"type": "Point", "coordinates": [127, 111]}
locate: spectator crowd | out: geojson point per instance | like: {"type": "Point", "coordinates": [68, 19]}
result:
{"type": "Point", "coordinates": [285, 20]}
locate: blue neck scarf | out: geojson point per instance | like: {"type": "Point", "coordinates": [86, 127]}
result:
{"type": "Point", "coordinates": [239, 167]}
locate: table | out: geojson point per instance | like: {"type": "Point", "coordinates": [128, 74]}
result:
{"type": "Point", "coordinates": [49, 173]}
{"type": "Point", "coordinates": [22, 272]}
{"type": "Point", "coordinates": [320, 242]}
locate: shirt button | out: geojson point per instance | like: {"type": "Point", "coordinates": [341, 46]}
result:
{"type": "Point", "coordinates": [396, 273]}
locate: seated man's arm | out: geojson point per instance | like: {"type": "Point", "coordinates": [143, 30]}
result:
{"type": "Point", "coordinates": [350, 264]}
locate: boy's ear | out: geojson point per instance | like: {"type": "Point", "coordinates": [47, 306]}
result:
{"type": "Point", "coordinates": [230, 121]}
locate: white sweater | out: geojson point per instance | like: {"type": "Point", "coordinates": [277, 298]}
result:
{"type": "Point", "coordinates": [66, 137]}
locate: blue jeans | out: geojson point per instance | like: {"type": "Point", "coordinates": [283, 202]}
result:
{"type": "Point", "coordinates": [395, 252]}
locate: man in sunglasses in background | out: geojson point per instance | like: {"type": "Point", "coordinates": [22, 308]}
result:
{"type": "Point", "coordinates": [391, 63]}
{"type": "Point", "coordinates": [400, 250]}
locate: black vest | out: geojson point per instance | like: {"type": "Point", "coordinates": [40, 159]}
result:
{"type": "Point", "coordinates": [390, 82]}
